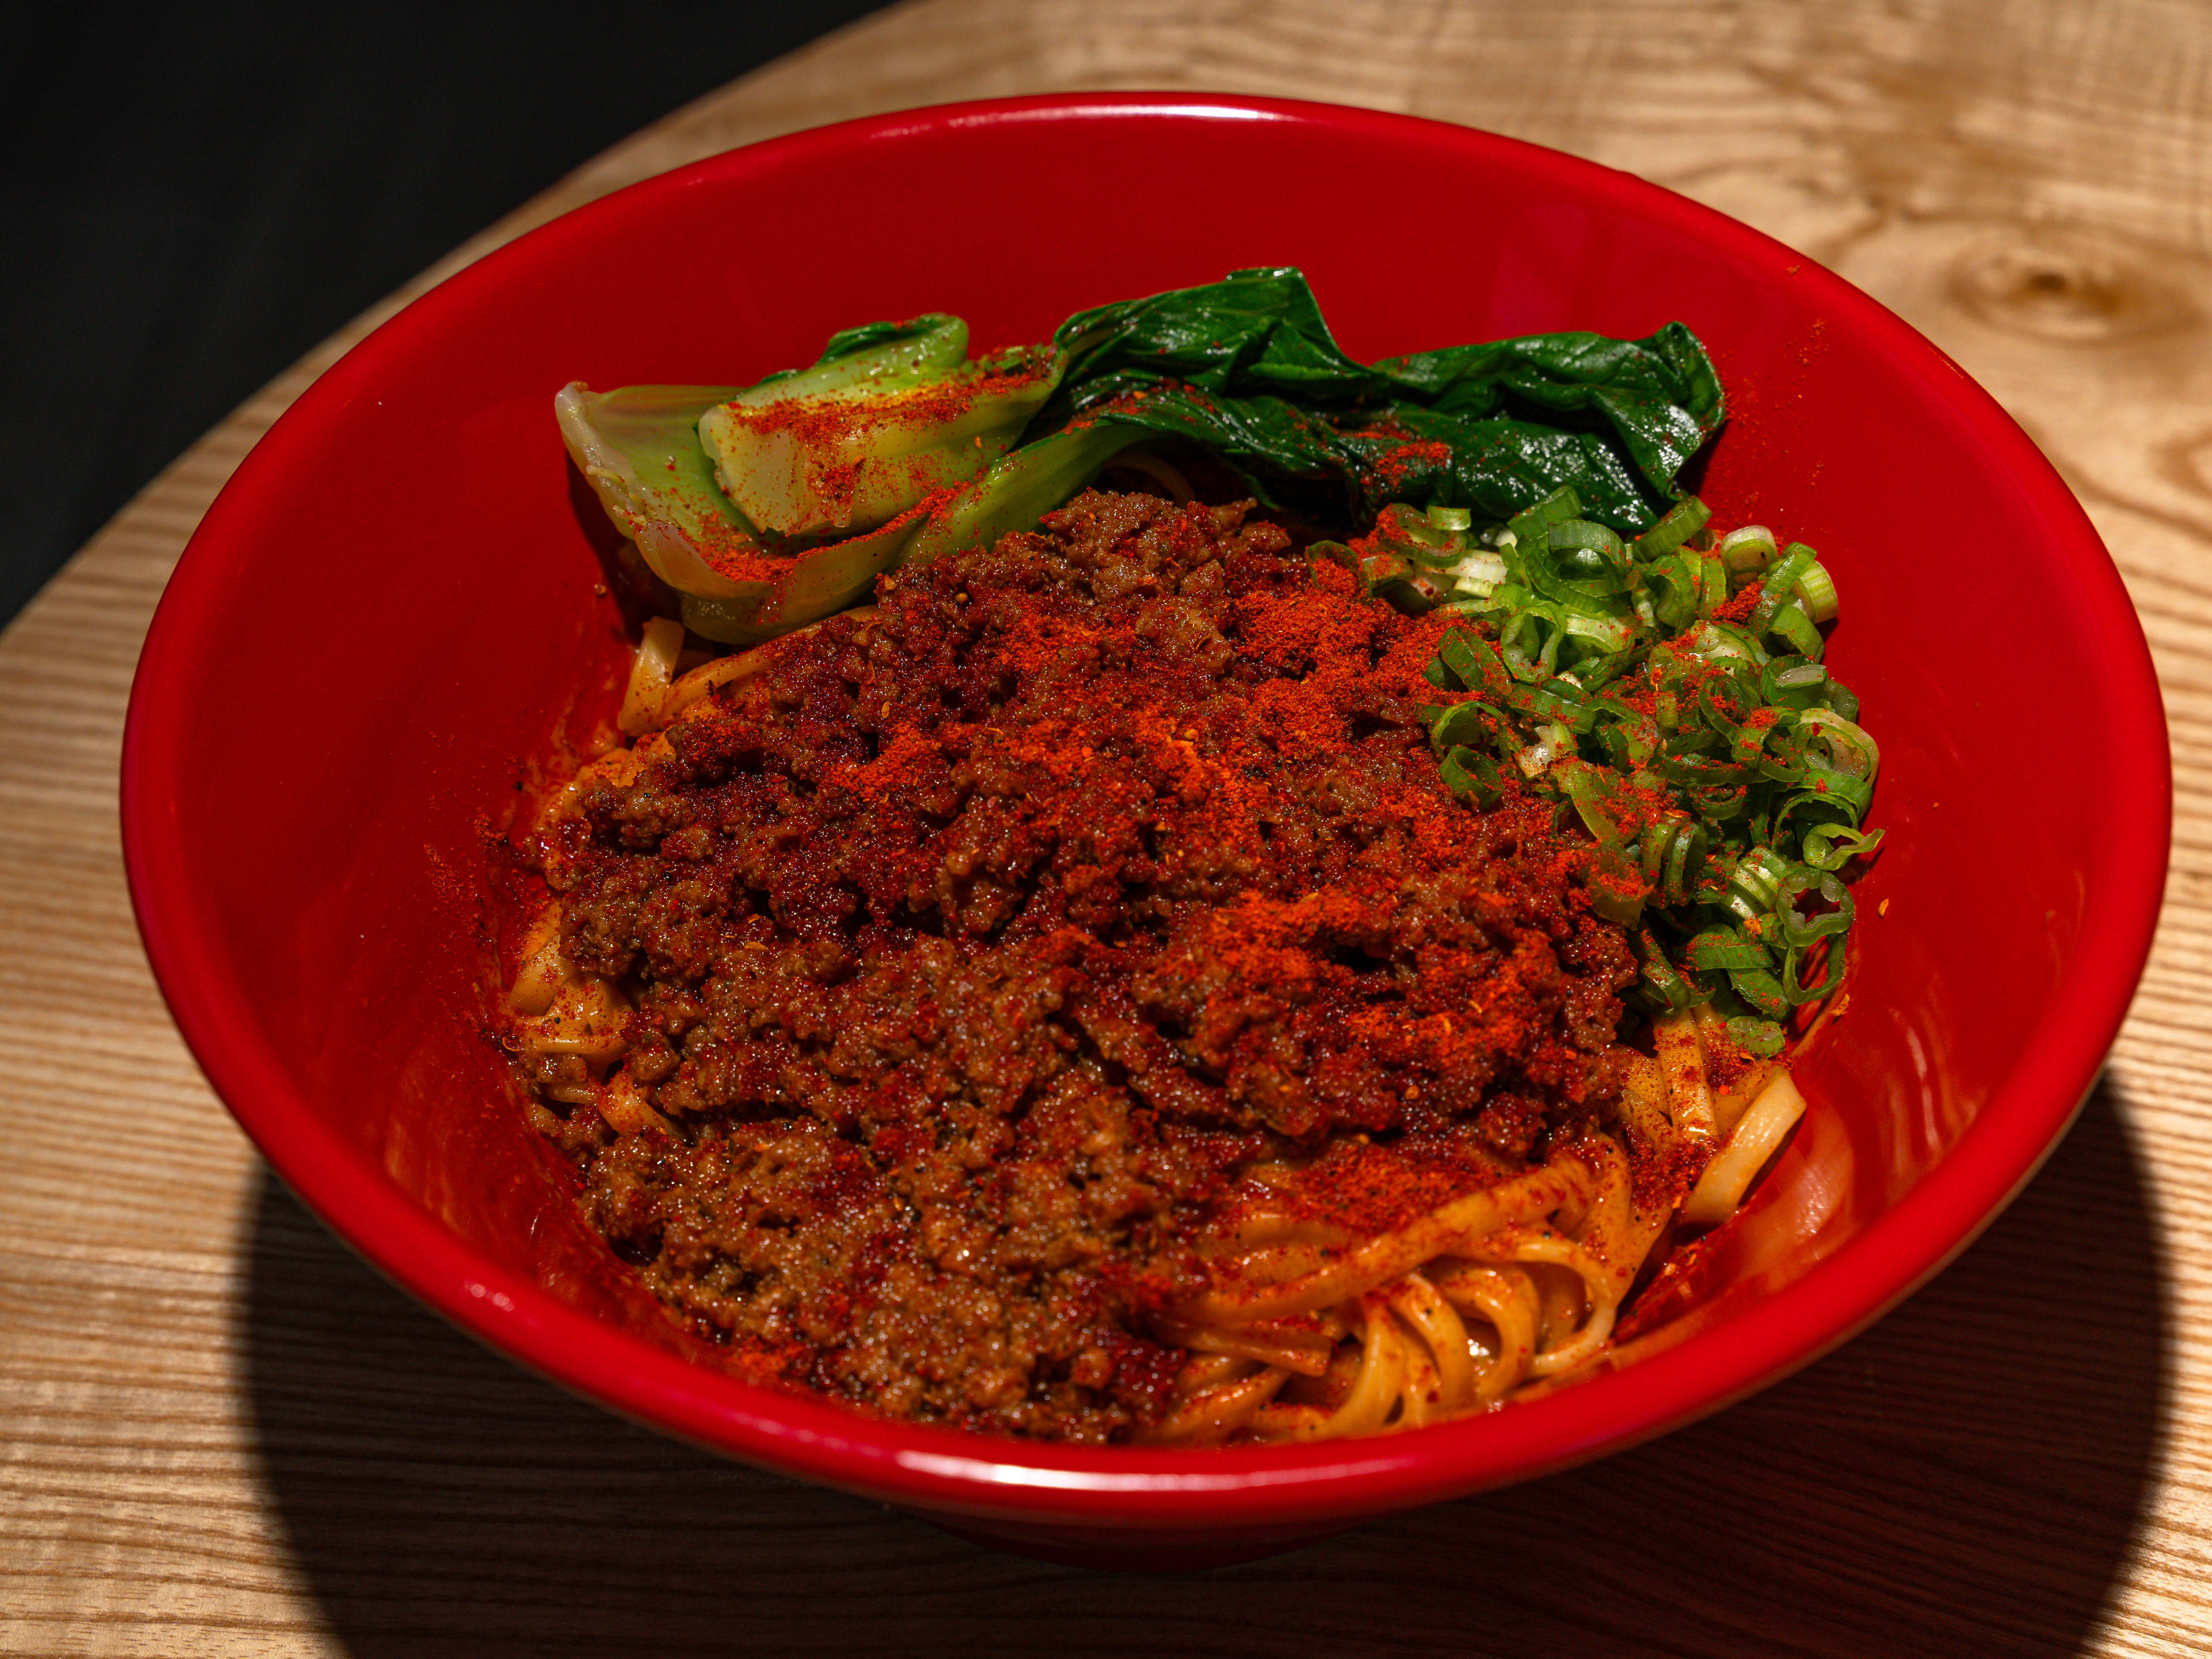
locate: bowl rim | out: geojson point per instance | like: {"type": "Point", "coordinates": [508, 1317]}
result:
{"type": "Point", "coordinates": [1132, 1487]}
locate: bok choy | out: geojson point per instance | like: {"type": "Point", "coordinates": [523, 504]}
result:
{"type": "Point", "coordinates": [766, 507]}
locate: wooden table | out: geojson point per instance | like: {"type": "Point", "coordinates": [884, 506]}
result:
{"type": "Point", "coordinates": [220, 1433]}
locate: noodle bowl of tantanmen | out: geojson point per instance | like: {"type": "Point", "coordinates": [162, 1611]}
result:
{"type": "Point", "coordinates": [429, 600]}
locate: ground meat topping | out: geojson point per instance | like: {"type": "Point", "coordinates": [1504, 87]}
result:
{"type": "Point", "coordinates": [978, 948]}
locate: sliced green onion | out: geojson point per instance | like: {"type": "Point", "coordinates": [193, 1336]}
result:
{"type": "Point", "coordinates": [1831, 846]}
{"type": "Point", "coordinates": [1451, 518]}
{"type": "Point", "coordinates": [1609, 634]}
{"type": "Point", "coordinates": [1795, 628]}
{"type": "Point", "coordinates": [1615, 891]}
{"type": "Point", "coordinates": [1683, 521]}
{"type": "Point", "coordinates": [1763, 992]}
{"type": "Point", "coordinates": [1794, 684]}
{"type": "Point", "coordinates": [1647, 617]}
{"type": "Point", "coordinates": [1582, 567]}
{"type": "Point", "coordinates": [1378, 570]}
{"type": "Point", "coordinates": [1716, 582]}
{"type": "Point", "coordinates": [1414, 531]}
{"type": "Point", "coordinates": [1719, 803]}
{"type": "Point", "coordinates": [1530, 642]}
{"type": "Point", "coordinates": [1673, 853]}
{"type": "Point", "coordinates": [1721, 698]}
{"type": "Point", "coordinates": [1712, 639]}
{"type": "Point", "coordinates": [1660, 978]}
{"type": "Point", "coordinates": [1750, 742]}
{"type": "Point", "coordinates": [1606, 685]}
{"type": "Point", "coordinates": [1471, 657]}
{"type": "Point", "coordinates": [1630, 741]}
{"type": "Point", "coordinates": [1844, 742]}
{"type": "Point", "coordinates": [1677, 595]}
{"type": "Point", "coordinates": [1746, 552]}
{"type": "Point", "coordinates": [1472, 775]}
{"type": "Point", "coordinates": [1800, 929]}
{"type": "Point", "coordinates": [1528, 525]}
{"type": "Point", "coordinates": [1553, 740]}
{"type": "Point", "coordinates": [1781, 582]}
{"type": "Point", "coordinates": [1816, 591]}
{"type": "Point", "coordinates": [1762, 1037]}
{"type": "Point", "coordinates": [1755, 886]}
{"type": "Point", "coordinates": [1595, 673]}
{"type": "Point", "coordinates": [1481, 573]}
{"type": "Point", "coordinates": [1718, 950]}
{"type": "Point", "coordinates": [1464, 722]}
{"type": "Point", "coordinates": [1795, 991]}
{"type": "Point", "coordinates": [1824, 795]}
{"type": "Point", "coordinates": [1686, 861]}
{"type": "Point", "coordinates": [1589, 787]}
{"type": "Point", "coordinates": [1559, 735]}
{"type": "Point", "coordinates": [1584, 535]}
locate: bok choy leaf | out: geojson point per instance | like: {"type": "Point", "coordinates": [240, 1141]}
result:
{"type": "Point", "coordinates": [1247, 368]}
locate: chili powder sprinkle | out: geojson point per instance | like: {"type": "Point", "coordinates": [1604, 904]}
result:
{"type": "Point", "coordinates": [979, 949]}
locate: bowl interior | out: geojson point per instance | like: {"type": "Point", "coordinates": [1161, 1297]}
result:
{"type": "Point", "coordinates": [396, 604]}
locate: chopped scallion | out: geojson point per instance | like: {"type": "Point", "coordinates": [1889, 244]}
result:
{"type": "Point", "coordinates": [1718, 766]}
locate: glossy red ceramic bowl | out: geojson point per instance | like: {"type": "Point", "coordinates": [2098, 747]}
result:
{"type": "Point", "coordinates": [394, 604]}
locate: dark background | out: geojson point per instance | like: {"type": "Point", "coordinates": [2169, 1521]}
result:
{"type": "Point", "coordinates": [193, 195]}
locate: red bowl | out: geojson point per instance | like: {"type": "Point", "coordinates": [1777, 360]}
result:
{"type": "Point", "coordinates": [394, 604]}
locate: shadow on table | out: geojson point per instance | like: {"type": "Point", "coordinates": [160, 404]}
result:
{"type": "Point", "coordinates": [440, 1500]}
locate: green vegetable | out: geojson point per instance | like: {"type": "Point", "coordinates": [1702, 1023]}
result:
{"type": "Point", "coordinates": [874, 357]}
{"type": "Point", "coordinates": [1021, 489]}
{"type": "Point", "coordinates": [1246, 368]}
{"type": "Point", "coordinates": [1723, 798]}
{"type": "Point", "coordinates": [819, 584]}
{"type": "Point", "coordinates": [1011, 495]}
{"type": "Point", "coordinates": [891, 414]}
{"type": "Point", "coordinates": [896, 434]}
{"type": "Point", "coordinates": [638, 450]}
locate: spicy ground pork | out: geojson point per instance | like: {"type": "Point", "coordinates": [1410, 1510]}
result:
{"type": "Point", "coordinates": [978, 949]}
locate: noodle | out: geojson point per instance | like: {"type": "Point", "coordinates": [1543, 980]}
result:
{"type": "Point", "coordinates": [1415, 1344]}
{"type": "Point", "coordinates": [1331, 1286]}
{"type": "Point", "coordinates": [1756, 1138]}
{"type": "Point", "coordinates": [650, 676]}
{"type": "Point", "coordinates": [1474, 1258]}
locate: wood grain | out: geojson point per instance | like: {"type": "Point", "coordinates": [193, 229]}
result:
{"type": "Point", "coordinates": [220, 1434]}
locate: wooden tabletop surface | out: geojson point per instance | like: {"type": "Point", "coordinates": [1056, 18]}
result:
{"type": "Point", "coordinates": [220, 1433]}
